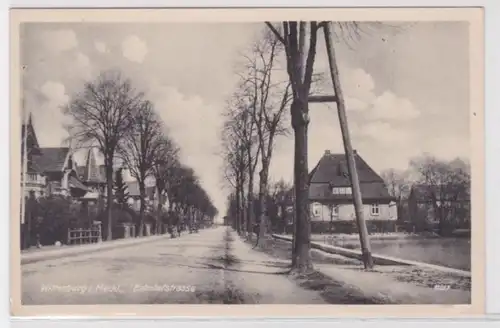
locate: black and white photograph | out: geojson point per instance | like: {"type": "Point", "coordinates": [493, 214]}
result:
{"type": "Point", "coordinates": [266, 162]}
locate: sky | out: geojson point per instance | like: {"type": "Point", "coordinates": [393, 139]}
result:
{"type": "Point", "coordinates": [406, 87]}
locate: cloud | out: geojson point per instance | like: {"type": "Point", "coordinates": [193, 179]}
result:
{"type": "Point", "coordinates": [383, 134]}
{"type": "Point", "coordinates": [449, 147]}
{"type": "Point", "coordinates": [358, 87]}
{"type": "Point", "coordinates": [388, 106]}
{"type": "Point", "coordinates": [194, 124]}
{"type": "Point", "coordinates": [48, 113]}
{"type": "Point", "coordinates": [82, 60]}
{"type": "Point", "coordinates": [355, 104]}
{"type": "Point", "coordinates": [57, 41]}
{"type": "Point", "coordinates": [100, 46]}
{"type": "Point", "coordinates": [82, 66]}
{"type": "Point", "coordinates": [54, 92]}
{"type": "Point", "coordinates": [134, 49]}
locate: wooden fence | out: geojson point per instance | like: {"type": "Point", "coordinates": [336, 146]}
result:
{"type": "Point", "coordinates": [85, 236]}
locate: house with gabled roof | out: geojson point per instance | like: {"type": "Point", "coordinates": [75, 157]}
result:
{"type": "Point", "coordinates": [331, 197]}
{"type": "Point", "coordinates": [33, 180]}
{"type": "Point", "coordinates": [51, 170]}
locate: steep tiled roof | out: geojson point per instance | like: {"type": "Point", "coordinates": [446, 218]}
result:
{"type": "Point", "coordinates": [332, 168]}
{"type": "Point", "coordinates": [32, 141]}
{"type": "Point", "coordinates": [52, 159]}
{"type": "Point", "coordinates": [331, 171]}
{"type": "Point", "coordinates": [92, 172]}
{"type": "Point", "coordinates": [34, 168]}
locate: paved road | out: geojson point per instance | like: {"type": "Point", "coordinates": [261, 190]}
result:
{"type": "Point", "coordinates": [213, 266]}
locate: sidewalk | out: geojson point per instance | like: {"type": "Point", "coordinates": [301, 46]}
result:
{"type": "Point", "coordinates": [63, 251]}
{"type": "Point", "coordinates": [262, 278]}
{"type": "Point", "coordinates": [376, 284]}
{"type": "Point", "coordinates": [385, 284]}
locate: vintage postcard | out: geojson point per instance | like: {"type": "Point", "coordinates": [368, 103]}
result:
{"type": "Point", "coordinates": [265, 162]}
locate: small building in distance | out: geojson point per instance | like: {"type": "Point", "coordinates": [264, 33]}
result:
{"type": "Point", "coordinates": [441, 208]}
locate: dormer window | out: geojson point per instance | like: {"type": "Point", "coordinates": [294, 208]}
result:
{"type": "Point", "coordinates": [341, 190]}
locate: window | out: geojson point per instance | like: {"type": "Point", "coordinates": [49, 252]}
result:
{"type": "Point", "coordinates": [316, 210]}
{"type": "Point", "coordinates": [342, 191]}
{"type": "Point", "coordinates": [335, 210]}
{"type": "Point", "coordinates": [374, 209]}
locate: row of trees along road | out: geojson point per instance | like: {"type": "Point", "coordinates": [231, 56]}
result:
{"type": "Point", "coordinates": [276, 76]}
{"type": "Point", "coordinates": [112, 116]}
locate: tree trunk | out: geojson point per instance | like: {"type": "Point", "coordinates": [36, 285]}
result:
{"type": "Point", "coordinates": [283, 217]}
{"type": "Point", "coordinates": [190, 218]}
{"type": "Point", "coordinates": [238, 207]}
{"type": "Point", "coordinates": [142, 191]}
{"type": "Point", "coordinates": [250, 212]}
{"type": "Point", "coordinates": [109, 198]}
{"type": "Point", "coordinates": [303, 261]}
{"type": "Point", "coordinates": [243, 212]}
{"type": "Point", "coordinates": [159, 223]}
{"type": "Point", "coordinates": [263, 192]}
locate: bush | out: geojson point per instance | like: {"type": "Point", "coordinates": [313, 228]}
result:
{"type": "Point", "coordinates": [381, 226]}
{"type": "Point", "coordinates": [346, 227]}
{"type": "Point", "coordinates": [52, 216]}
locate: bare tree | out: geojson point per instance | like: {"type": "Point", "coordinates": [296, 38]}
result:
{"type": "Point", "coordinates": [139, 150]}
{"type": "Point", "coordinates": [446, 185]}
{"type": "Point", "coordinates": [397, 183]}
{"type": "Point", "coordinates": [300, 60]}
{"type": "Point", "coordinates": [102, 116]}
{"type": "Point", "coordinates": [235, 166]}
{"type": "Point", "coordinates": [164, 168]}
{"type": "Point", "coordinates": [267, 97]}
{"type": "Point", "coordinates": [240, 125]}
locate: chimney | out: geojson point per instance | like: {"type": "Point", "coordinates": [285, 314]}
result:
{"type": "Point", "coordinates": [355, 151]}
{"type": "Point", "coordinates": [327, 152]}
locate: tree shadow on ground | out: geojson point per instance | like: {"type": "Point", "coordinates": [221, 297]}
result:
{"type": "Point", "coordinates": [207, 266]}
{"type": "Point", "coordinates": [335, 292]}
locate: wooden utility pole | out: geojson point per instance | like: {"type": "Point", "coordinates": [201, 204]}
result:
{"type": "Point", "coordinates": [351, 161]}
{"type": "Point", "coordinates": [300, 73]}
